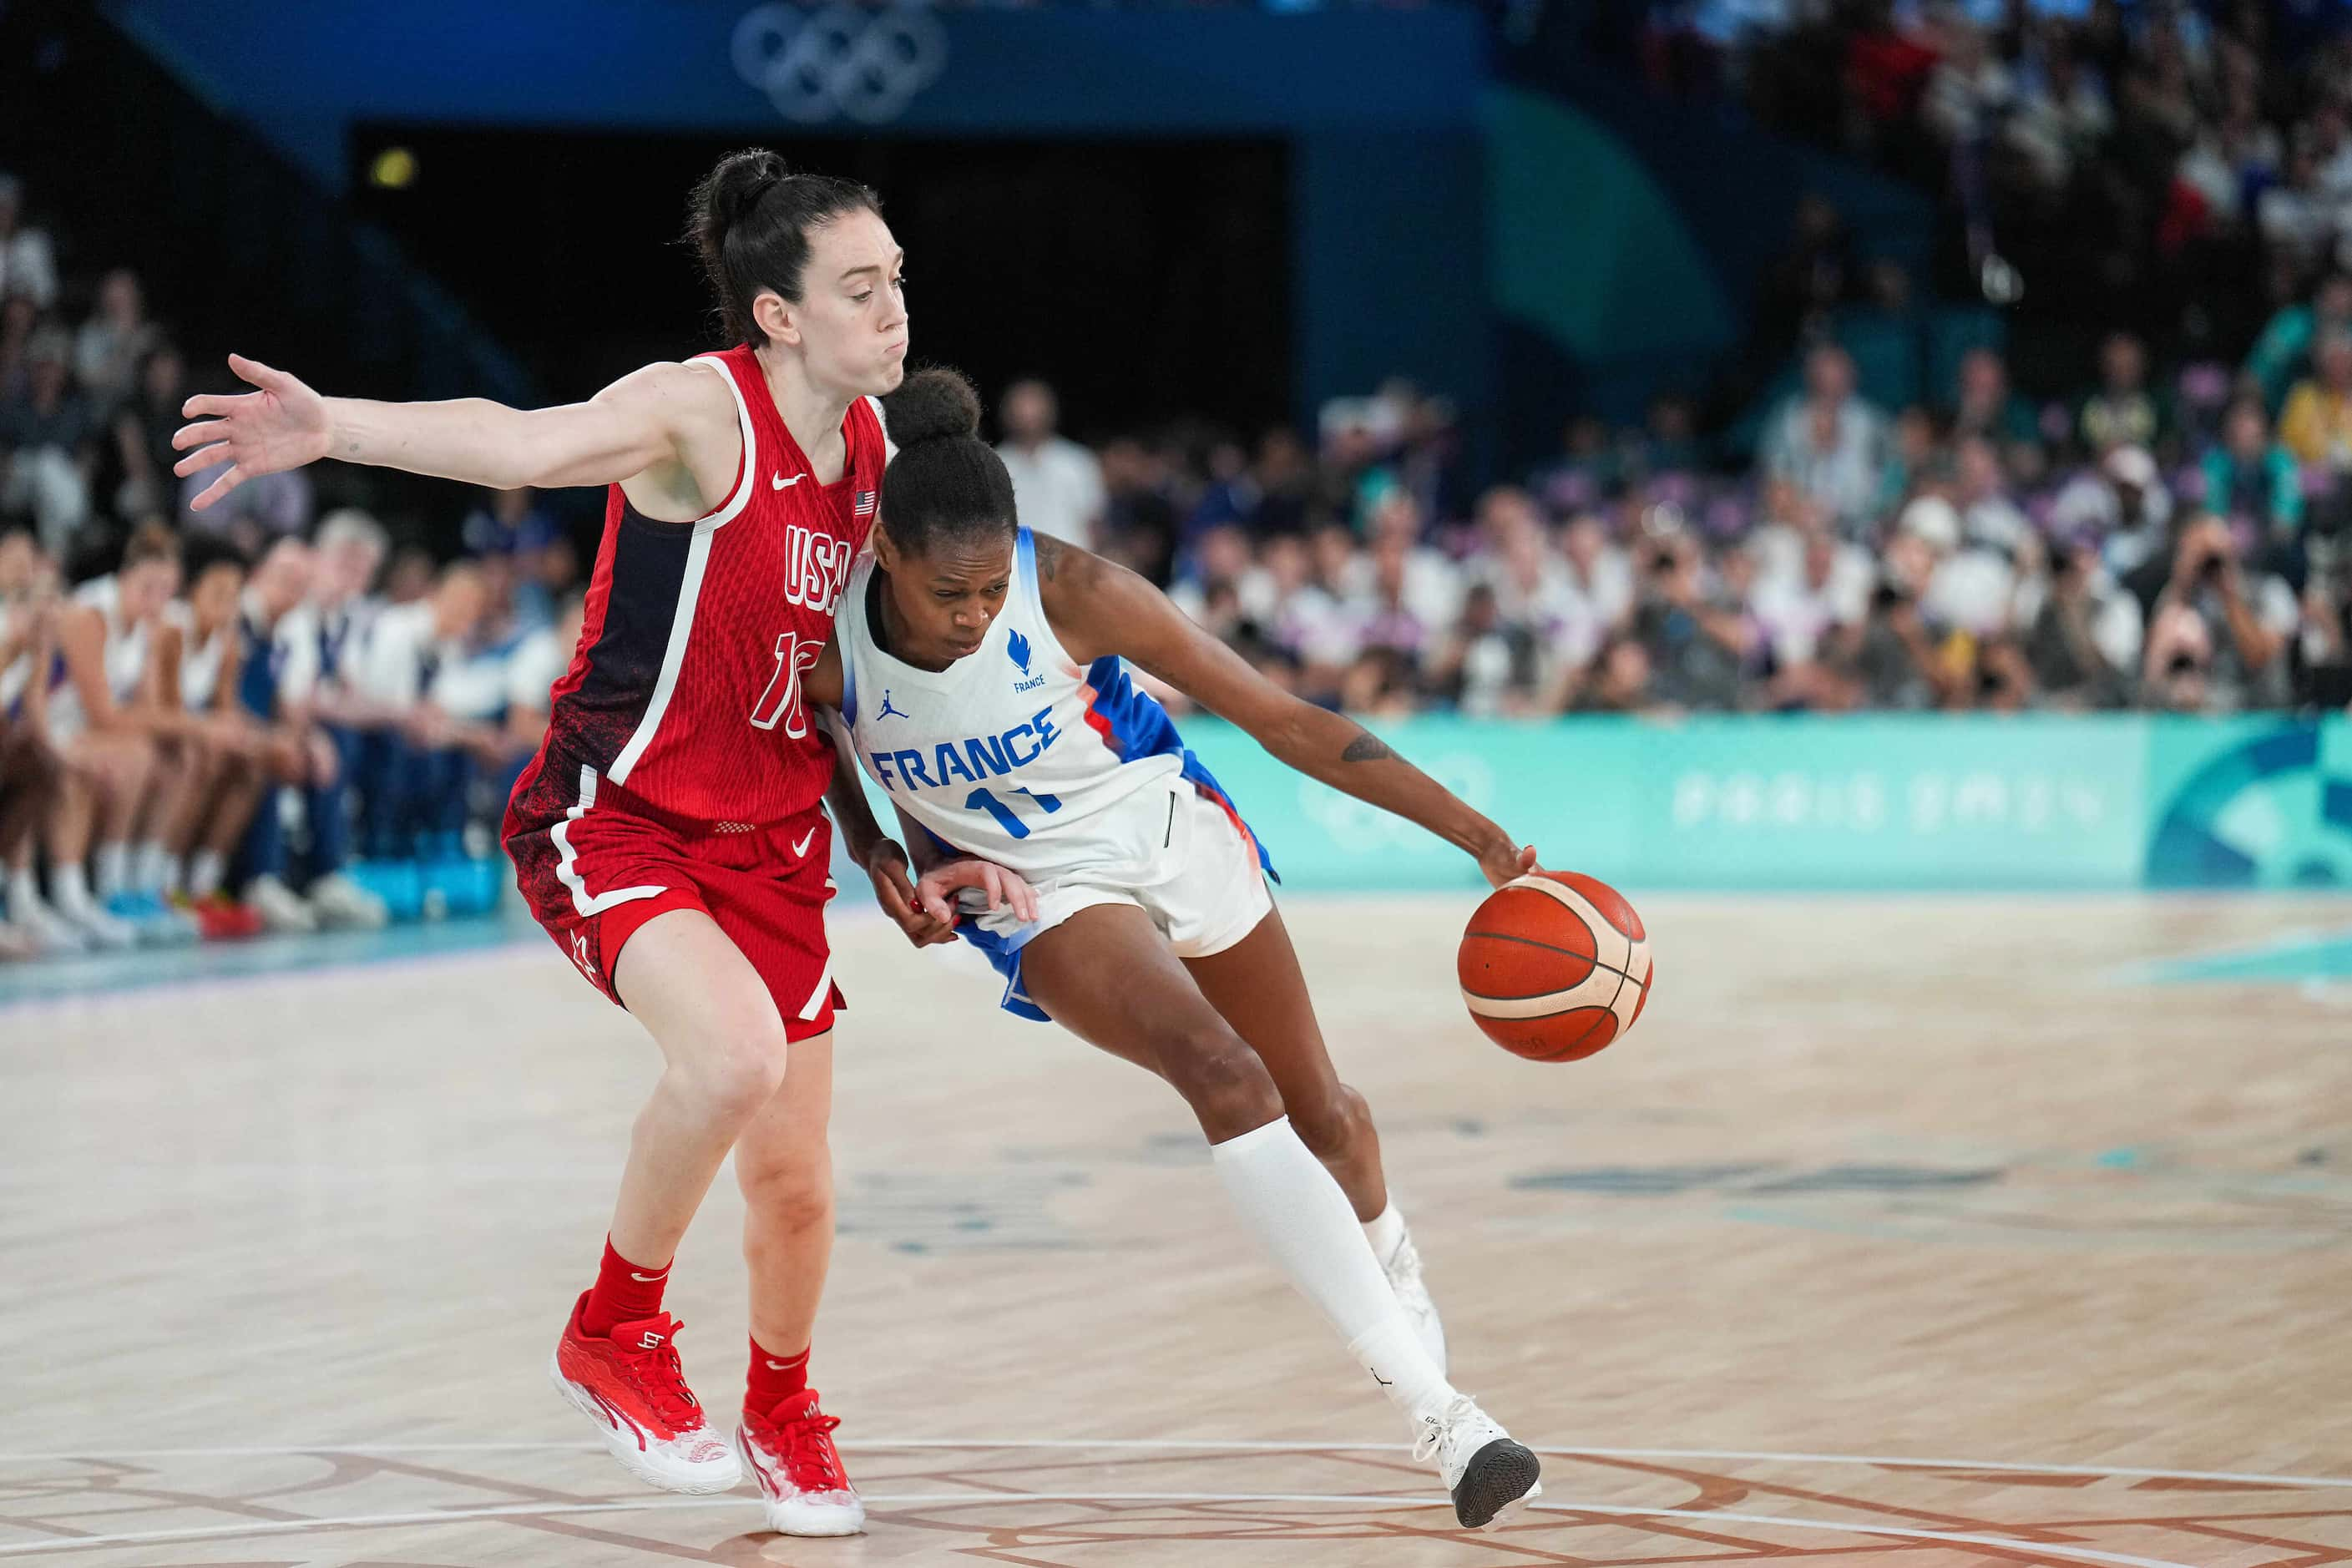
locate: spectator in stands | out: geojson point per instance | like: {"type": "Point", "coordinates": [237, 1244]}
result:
{"type": "Point", "coordinates": [2249, 475]}
{"type": "Point", "coordinates": [135, 467]}
{"type": "Point", "coordinates": [1622, 681]}
{"type": "Point", "coordinates": [2082, 638]}
{"type": "Point", "coordinates": [2283, 354]}
{"type": "Point", "coordinates": [2124, 412]}
{"type": "Point", "coordinates": [2244, 620]}
{"type": "Point", "coordinates": [115, 342]}
{"type": "Point", "coordinates": [27, 262]}
{"type": "Point", "coordinates": [1487, 667]}
{"type": "Point", "coordinates": [50, 428]}
{"type": "Point", "coordinates": [1989, 518]}
{"type": "Point", "coordinates": [2121, 504]}
{"type": "Point", "coordinates": [1429, 587]}
{"type": "Point", "coordinates": [1600, 573]}
{"type": "Point", "coordinates": [1805, 615]}
{"type": "Point", "coordinates": [1984, 406]}
{"type": "Point", "coordinates": [1971, 91]}
{"type": "Point", "coordinates": [1698, 644]}
{"type": "Point", "coordinates": [2317, 425]}
{"type": "Point", "coordinates": [2295, 215]}
{"type": "Point", "coordinates": [2061, 115]}
{"type": "Point", "coordinates": [1829, 442]}
{"type": "Point", "coordinates": [1056, 484]}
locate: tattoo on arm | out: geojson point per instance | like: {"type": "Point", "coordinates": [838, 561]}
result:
{"type": "Point", "coordinates": [1049, 555]}
{"type": "Point", "coordinates": [1366, 747]}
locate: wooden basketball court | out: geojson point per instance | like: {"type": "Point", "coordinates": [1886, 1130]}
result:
{"type": "Point", "coordinates": [1917, 1231]}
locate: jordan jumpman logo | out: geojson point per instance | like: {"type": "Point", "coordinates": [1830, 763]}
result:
{"type": "Point", "coordinates": [886, 711]}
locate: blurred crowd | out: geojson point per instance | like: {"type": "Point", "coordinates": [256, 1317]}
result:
{"type": "Point", "coordinates": [2143, 543]}
{"type": "Point", "coordinates": [251, 718]}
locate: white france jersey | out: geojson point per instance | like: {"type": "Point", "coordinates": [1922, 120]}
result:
{"type": "Point", "coordinates": [124, 659]}
{"type": "Point", "coordinates": [1015, 753]}
{"type": "Point", "coordinates": [200, 663]}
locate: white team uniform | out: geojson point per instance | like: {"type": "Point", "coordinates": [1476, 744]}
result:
{"type": "Point", "coordinates": [1065, 773]}
{"type": "Point", "coordinates": [200, 664]}
{"type": "Point", "coordinates": [125, 658]}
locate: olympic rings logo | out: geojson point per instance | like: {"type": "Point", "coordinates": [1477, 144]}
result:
{"type": "Point", "coordinates": [841, 59]}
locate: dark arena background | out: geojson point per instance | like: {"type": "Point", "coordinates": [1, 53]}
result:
{"type": "Point", "coordinates": [1870, 481]}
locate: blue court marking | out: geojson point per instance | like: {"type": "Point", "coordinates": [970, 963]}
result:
{"type": "Point", "coordinates": [112, 973]}
{"type": "Point", "coordinates": [2289, 958]}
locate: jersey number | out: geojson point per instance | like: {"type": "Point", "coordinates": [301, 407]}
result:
{"type": "Point", "coordinates": [981, 800]}
{"type": "Point", "coordinates": [781, 700]}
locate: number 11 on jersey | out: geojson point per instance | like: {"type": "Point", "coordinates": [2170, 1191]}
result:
{"type": "Point", "coordinates": [981, 800]}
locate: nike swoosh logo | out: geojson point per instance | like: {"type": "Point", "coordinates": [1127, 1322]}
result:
{"type": "Point", "coordinates": [781, 483]}
{"type": "Point", "coordinates": [648, 1278]}
{"type": "Point", "coordinates": [780, 1366]}
{"type": "Point", "coordinates": [802, 848]}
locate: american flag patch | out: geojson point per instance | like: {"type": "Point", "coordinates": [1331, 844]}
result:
{"type": "Point", "coordinates": [865, 504]}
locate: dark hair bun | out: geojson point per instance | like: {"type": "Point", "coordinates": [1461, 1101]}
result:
{"type": "Point", "coordinates": [728, 193]}
{"type": "Point", "coordinates": [934, 405]}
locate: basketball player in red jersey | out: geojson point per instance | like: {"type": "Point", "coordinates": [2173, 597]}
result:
{"type": "Point", "coordinates": [668, 834]}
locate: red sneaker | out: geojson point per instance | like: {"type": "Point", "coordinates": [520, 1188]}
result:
{"type": "Point", "coordinates": [631, 1387]}
{"type": "Point", "coordinates": [791, 1453]}
{"type": "Point", "coordinates": [222, 917]}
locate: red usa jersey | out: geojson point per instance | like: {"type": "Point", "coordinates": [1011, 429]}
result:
{"type": "Point", "coordinates": [683, 695]}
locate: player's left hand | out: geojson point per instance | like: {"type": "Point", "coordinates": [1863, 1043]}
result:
{"type": "Point", "coordinates": [1004, 889]}
{"type": "Point", "coordinates": [1508, 861]}
{"type": "Point", "coordinates": [886, 864]}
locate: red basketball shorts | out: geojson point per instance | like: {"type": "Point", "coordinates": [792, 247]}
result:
{"type": "Point", "coordinates": [593, 879]}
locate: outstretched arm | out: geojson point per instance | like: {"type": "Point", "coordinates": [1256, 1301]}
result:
{"type": "Point", "coordinates": [1098, 608]}
{"type": "Point", "coordinates": [643, 423]}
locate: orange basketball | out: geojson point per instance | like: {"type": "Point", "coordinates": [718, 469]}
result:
{"type": "Point", "coordinates": [1555, 965]}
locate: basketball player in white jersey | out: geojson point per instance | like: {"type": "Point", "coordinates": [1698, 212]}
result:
{"type": "Point", "coordinates": [978, 672]}
{"type": "Point", "coordinates": [199, 657]}
{"type": "Point", "coordinates": [102, 716]}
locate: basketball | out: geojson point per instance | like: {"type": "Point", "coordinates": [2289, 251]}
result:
{"type": "Point", "coordinates": [1555, 965]}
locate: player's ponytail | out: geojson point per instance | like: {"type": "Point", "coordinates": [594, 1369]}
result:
{"type": "Point", "coordinates": [945, 483]}
{"type": "Point", "coordinates": [750, 220]}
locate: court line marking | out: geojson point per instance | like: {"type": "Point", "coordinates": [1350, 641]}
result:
{"type": "Point", "coordinates": [1170, 1445]}
{"type": "Point", "coordinates": [934, 1499]}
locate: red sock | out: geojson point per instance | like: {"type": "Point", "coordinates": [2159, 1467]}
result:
{"type": "Point", "coordinates": [625, 1292]}
{"type": "Point", "coordinates": [774, 1379]}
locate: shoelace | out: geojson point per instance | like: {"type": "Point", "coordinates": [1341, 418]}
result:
{"type": "Point", "coordinates": [661, 1378]}
{"type": "Point", "coordinates": [806, 1450]}
{"type": "Point", "coordinates": [1433, 1433]}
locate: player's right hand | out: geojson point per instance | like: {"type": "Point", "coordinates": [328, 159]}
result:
{"type": "Point", "coordinates": [886, 864]}
{"type": "Point", "coordinates": [282, 425]}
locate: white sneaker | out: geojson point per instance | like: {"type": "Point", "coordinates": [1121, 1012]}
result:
{"type": "Point", "coordinates": [52, 930]}
{"type": "Point", "coordinates": [100, 930]}
{"type": "Point", "coordinates": [790, 1453]}
{"type": "Point", "coordinates": [1490, 1477]}
{"type": "Point", "coordinates": [340, 902]}
{"type": "Point", "coordinates": [1403, 1268]}
{"type": "Point", "coordinates": [281, 909]}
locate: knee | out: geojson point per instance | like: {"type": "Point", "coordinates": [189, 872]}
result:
{"type": "Point", "coordinates": [791, 1190]}
{"type": "Point", "coordinates": [1331, 1123]}
{"type": "Point", "coordinates": [730, 1085]}
{"type": "Point", "coordinates": [1219, 1076]}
